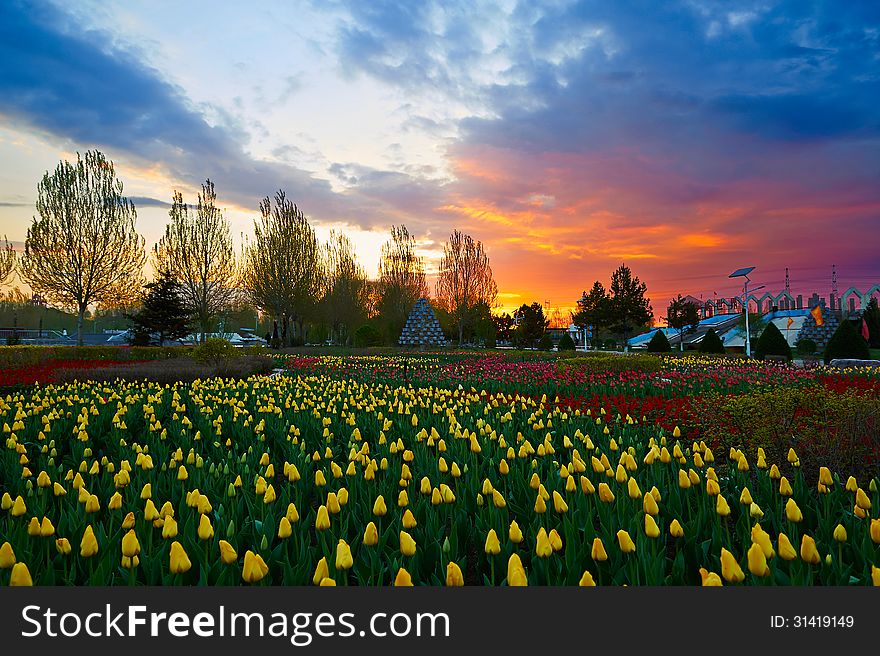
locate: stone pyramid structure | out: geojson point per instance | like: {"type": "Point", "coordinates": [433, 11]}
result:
{"type": "Point", "coordinates": [422, 327]}
{"type": "Point", "coordinates": [819, 334]}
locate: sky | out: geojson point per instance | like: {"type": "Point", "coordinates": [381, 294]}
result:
{"type": "Point", "coordinates": [685, 139]}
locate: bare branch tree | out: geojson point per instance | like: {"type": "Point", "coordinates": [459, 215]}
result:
{"type": "Point", "coordinates": [465, 278]}
{"type": "Point", "coordinates": [197, 249]}
{"type": "Point", "coordinates": [283, 270]}
{"type": "Point", "coordinates": [401, 280]}
{"type": "Point", "coordinates": [84, 249]}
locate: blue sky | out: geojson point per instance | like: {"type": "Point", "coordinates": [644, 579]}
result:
{"type": "Point", "coordinates": [685, 138]}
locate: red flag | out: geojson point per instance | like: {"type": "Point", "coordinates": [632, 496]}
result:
{"type": "Point", "coordinates": [817, 315]}
{"type": "Point", "coordinates": [865, 332]}
{"type": "Point", "coordinates": [790, 321]}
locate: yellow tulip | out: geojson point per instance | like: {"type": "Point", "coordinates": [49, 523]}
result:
{"type": "Point", "coordinates": [675, 529]}
{"type": "Point", "coordinates": [179, 561]}
{"type": "Point", "coordinates": [555, 540]}
{"type": "Point", "coordinates": [721, 506]}
{"type": "Point", "coordinates": [34, 527]}
{"type": "Point", "coordinates": [88, 546]}
{"type": "Point", "coordinates": [454, 576]}
{"type": "Point", "coordinates": [809, 553]}
{"type": "Point", "coordinates": [625, 542]}
{"type": "Point", "coordinates": [343, 555]}
{"type": "Point", "coordinates": [322, 521]}
{"type": "Point", "coordinates": [130, 545]}
{"type": "Point", "coordinates": [514, 533]}
{"type": "Point", "coordinates": [792, 512]}
{"type": "Point", "coordinates": [586, 580]}
{"type": "Point", "coordinates": [758, 561]}
{"type": "Point", "coordinates": [228, 555]}
{"type": "Point", "coordinates": [62, 546]}
{"type": "Point", "coordinates": [839, 533]}
{"type": "Point", "coordinates": [649, 505]}
{"type": "Point", "coordinates": [875, 576]}
{"type": "Point", "coordinates": [322, 571]}
{"type": "Point", "coordinates": [407, 544]}
{"type": "Point", "coordinates": [709, 579]}
{"type": "Point", "coordinates": [730, 569]}
{"type": "Point", "coordinates": [7, 556]}
{"type": "Point", "coordinates": [543, 548]}
{"type": "Point", "coordinates": [21, 576]}
{"type": "Point", "coordinates": [786, 549]}
{"type": "Point", "coordinates": [605, 493]}
{"type": "Point", "coordinates": [19, 507]}
{"type": "Point", "coordinates": [516, 574]}
{"type": "Point", "coordinates": [379, 508]}
{"type": "Point", "coordinates": [598, 552]}
{"type": "Point", "coordinates": [492, 545]}
{"type": "Point", "coordinates": [403, 578]}
{"type": "Point", "coordinates": [825, 476]}
{"type": "Point", "coordinates": [651, 528]}
{"type": "Point", "coordinates": [559, 504]}
{"type": "Point", "coordinates": [169, 528]}
{"type": "Point", "coordinates": [206, 531]}
{"type": "Point", "coordinates": [862, 500]}
{"type": "Point", "coordinates": [371, 535]}
{"type": "Point", "coordinates": [875, 531]}
{"type": "Point", "coordinates": [254, 568]}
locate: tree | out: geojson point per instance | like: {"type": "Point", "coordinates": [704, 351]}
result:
{"type": "Point", "coordinates": [503, 326]}
{"type": "Point", "coordinates": [628, 306]}
{"type": "Point", "coordinates": [465, 278]}
{"type": "Point", "coordinates": [711, 343]}
{"type": "Point", "coordinates": [282, 266]}
{"type": "Point", "coordinates": [683, 316]}
{"type": "Point", "coordinates": [530, 325]}
{"type": "Point", "coordinates": [772, 342]}
{"type": "Point", "coordinates": [566, 343]}
{"type": "Point", "coordinates": [84, 249]}
{"type": "Point", "coordinates": [197, 251]}
{"type": "Point", "coordinates": [846, 343]}
{"type": "Point", "coordinates": [7, 261]}
{"type": "Point", "coordinates": [871, 316]}
{"type": "Point", "coordinates": [163, 312]}
{"type": "Point", "coordinates": [757, 324]}
{"type": "Point", "coordinates": [659, 343]}
{"type": "Point", "coordinates": [345, 296]}
{"type": "Point", "coordinates": [401, 281]}
{"type": "Point", "coordinates": [593, 309]}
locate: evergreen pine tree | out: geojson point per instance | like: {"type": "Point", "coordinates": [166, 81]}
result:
{"type": "Point", "coordinates": [846, 343]}
{"type": "Point", "coordinates": [659, 343]}
{"type": "Point", "coordinates": [162, 313]}
{"type": "Point", "coordinates": [566, 343]}
{"type": "Point", "coordinates": [772, 342]}
{"type": "Point", "coordinates": [711, 343]}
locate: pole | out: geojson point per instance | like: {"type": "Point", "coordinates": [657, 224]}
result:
{"type": "Point", "coordinates": [746, 304]}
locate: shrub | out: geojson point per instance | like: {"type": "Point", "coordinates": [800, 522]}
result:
{"type": "Point", "coordinates": [545, 343]}
{"type": "Point", "coordinates": [599, 362]}
{"type": "Point", "coordinates": [771, 342]}
{"type": "Point", "coordinates": [611, 343]}
{"type": "Point", "coordinates": [846, 343]}
{"type": "Point", "coordinates": [214, 351]}
{"type": "Point", "coordinates": [711, 343]}
{"type": "Point", "coordinates": [184, 370]}
{"type": "Point", "coordinates": [367, 336]}
{"type": "Point", "coordinates": [566, 343]}
{"type": "Point", "coordinates": [659, 343]}
{"type": "Point", "coordinates": [806, 347]}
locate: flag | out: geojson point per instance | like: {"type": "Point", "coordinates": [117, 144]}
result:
{"type": "Point", "coordinates": [817, 315]}
{"type": "Point", "coordinates": [790, 321]}
{"type": "Point", "coordinates": [865, 333]}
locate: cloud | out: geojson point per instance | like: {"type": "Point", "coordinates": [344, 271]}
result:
{"type": "Point", "coordinates": [143, 201]}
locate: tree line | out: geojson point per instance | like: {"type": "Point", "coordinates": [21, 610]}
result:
{"type": "Point", "coordinates": [83, 250]}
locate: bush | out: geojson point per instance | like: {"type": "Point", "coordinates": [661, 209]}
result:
{"type": "Point", "coordinates": [711, 343]}
{"type": "Point", "coordinates": [611, 343]}
{"type": "Point", "coordinates": [659, 343]}
{"type": "Point", "coordinates": [367, 336]}
{"type": "Point", "coordinates": [545, 343]}
{"type": "Point", "coordinates": [184, 370]}
{"type": "Point", "coordinates": [214, 351]}
{"type": "Point", "coordinates": [566, 343]}
{"type": "Point", "coordinates": [846, 343]}
{"type": "Point", "coordinates": [771, 342]}
{"type": "Point", "coordinates": [599, 362]}
{"type": "Point", "coordinates": [806, 347]}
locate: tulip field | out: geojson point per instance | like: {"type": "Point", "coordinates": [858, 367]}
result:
{"type": "Point", "coordinates": [434, 471]}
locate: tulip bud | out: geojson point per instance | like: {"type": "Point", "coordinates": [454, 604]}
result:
{"type": "Point", "coordinates": [516, 536]}
{"type": "Point", "coordinates": [625, 542]}
{"type": "Point", "coordinates": [543, 547]}
{"type": "Point", "coordinates": [758, 561]}
{"type": "Point", "coordinates": [371, 535]}
{"type": "Point", "coordinates": [792, 512]}
{"type": "Point", "coordinates": [407, 544]}
{"type": "Point", "coordinates": [839, 533]}
{"type": "Point", "coordinates": [89, 544]}
{"type": "Point", "coordinates": [709, 579]}
{"type": "Point", "coordinates": [675, 529]}
{"type": "Point", "coordinates": [254, 567]}
{"type": "Point", "coordinates": [7, 556]}
{"type": "Point", "coordinates": [862, 500]}
{"type": "Point", "coordinates": [875, 531]}
{"type": "Point", "coordinates": [322, 521]}
{"type": "Point", "coordinates": [130, 545]}
{"type": "Point", "coordinates": [62, 546]}
{"type": "Point", "coordinates": [492, 545]}
{"type": "Point", "coordinates": [651, 528]}
{"type": "Point", "coordinates": [344, 559]}
{"type": "Point", "coordinates": [786, 549]}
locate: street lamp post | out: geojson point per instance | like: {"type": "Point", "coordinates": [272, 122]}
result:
{"type": "Point", "coordinates": [583, 302]}
{"type": "Point", "coordinates": [744, 273]}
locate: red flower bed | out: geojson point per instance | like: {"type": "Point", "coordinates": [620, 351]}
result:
{"type": "Point", "coordinates": [44, 373]}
